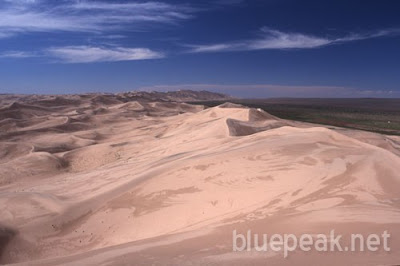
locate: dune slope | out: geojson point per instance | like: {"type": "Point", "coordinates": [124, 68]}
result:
{"type": "Point", "coordinates": [100, 181]}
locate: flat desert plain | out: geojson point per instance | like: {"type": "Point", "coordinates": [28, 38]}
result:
{"type": "Point", "coordinates": [101, 180]}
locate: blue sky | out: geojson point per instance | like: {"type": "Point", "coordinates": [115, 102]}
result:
{"type": "Point", "coordinates": [253, 48]}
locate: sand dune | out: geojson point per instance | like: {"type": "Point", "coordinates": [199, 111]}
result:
{"type": "Point", "coordinates": [258, 121]}
{"type": "Point", "coordinates": [99, 180]}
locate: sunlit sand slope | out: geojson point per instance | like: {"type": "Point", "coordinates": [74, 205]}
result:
{"type": "Point", "coordinates": [105, 182]}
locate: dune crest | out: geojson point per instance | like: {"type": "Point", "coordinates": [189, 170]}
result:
{"type": "Point", "coordinates": [98, 179]}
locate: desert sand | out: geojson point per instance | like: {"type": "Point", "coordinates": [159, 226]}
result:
{"type": "Point", "coordinates": [99, 180]}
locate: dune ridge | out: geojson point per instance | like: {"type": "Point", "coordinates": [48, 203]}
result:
{"type": "Point", "coordinates": [100, 179]}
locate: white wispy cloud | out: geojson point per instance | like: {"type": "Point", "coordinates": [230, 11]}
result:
{"type": "Point", "coordinates": [84, 16]}
{"type": "Point", "coordinates": [20, 1]}
{"type": "Point", "coordinates": [17, 54]}
{"type": "Point", "coordinates": [90, 54]}
{"type": "Point", "coordinates": [274, 39]}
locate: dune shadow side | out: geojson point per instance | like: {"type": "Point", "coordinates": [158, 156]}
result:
{"type": "Point", "coordinates": [6, 235]}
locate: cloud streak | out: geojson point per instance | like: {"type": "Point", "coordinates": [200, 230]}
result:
{"type": "Point", "coordinates": [17, 54]}
{"type": "Point", "coordinates": [83, 16]}
{"type": "Point", "coordinates": [90, 54]}
{"type": "Point", "coordinates": [273, 39]}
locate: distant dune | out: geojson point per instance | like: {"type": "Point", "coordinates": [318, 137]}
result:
{"type": "Point", "coordinates": [143, 178]}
